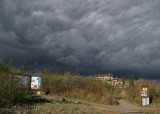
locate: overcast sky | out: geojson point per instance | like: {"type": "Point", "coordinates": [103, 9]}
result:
{"type": "Point", "coordinates": [83, 35]}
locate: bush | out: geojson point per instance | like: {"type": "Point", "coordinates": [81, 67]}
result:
{"type": "Point", "coordinates": [8, 93]}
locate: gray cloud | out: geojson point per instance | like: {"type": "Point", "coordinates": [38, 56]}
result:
{"type": "Point", "coordinates": [90, 35]}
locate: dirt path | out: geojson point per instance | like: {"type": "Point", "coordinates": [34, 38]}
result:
{"type": "Point", "coordinates": [124, 106]}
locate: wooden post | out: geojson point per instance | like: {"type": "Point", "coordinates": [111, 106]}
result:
{"type": "Point", "coordinates": [140, 98]}
{"type": "Point", "coordinates": [30, 83]}
{"type": "Point", "coordinates": [41, 84]}
{"type": "Point", "coordinates": [12, 81]}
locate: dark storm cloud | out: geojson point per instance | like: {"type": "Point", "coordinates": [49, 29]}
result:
{"type": "Point", "coordinates": [95, 35]}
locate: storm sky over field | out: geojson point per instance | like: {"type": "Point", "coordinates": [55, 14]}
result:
{"type": "Point", "coordinates": [82, 35]}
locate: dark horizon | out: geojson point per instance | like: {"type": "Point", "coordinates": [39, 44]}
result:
{"type": "Point", "coordinates": [127, 74]}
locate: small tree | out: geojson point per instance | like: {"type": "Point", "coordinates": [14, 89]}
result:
{"type": "Point", "coordinates": [123, 81]}
{"type": "Point", "coordinates": [131, 82]}
{"type": "Point", "coordinates": [46, 79]}
{"type": "Point", "coordinates": [3, 68]}
{"type": "Point", "coordinates": [22, 69]}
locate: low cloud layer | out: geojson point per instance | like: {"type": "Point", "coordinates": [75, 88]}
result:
{"type": "Point", "coordinates": [82, 35]}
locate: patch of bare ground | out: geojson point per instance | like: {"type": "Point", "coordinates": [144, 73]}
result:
{"type": "Point", "coordinates": [124, 107]}
{"type": "Point", "coordinates": [48, 104]}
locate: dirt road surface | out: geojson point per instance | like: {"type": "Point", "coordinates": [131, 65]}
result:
{"type": "Point", "coordinates": [124, 106]}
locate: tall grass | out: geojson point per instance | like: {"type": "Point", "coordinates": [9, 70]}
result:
{"type": "Point", "coordinates": [93, 89]}
{"type": "Point", "coordinates": [78, 87]}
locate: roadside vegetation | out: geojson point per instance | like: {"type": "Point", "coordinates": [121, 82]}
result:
{"type": "Point", "coordinates": [131, 93]}
{"type": "Point", "coordinates": [97, 91]}
{"type": "Point", "coordinates": [71, 85]}
{"type": "Point", "coordinates": [78, 87]}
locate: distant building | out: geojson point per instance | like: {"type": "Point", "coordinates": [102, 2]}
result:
{"type": "Point", "coordinates": [111, 80]}
{"type": "Point", "coordinates": [105, 77]}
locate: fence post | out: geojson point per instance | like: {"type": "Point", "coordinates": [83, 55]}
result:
{"type": "Point", "coordinates": [30, 83]}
